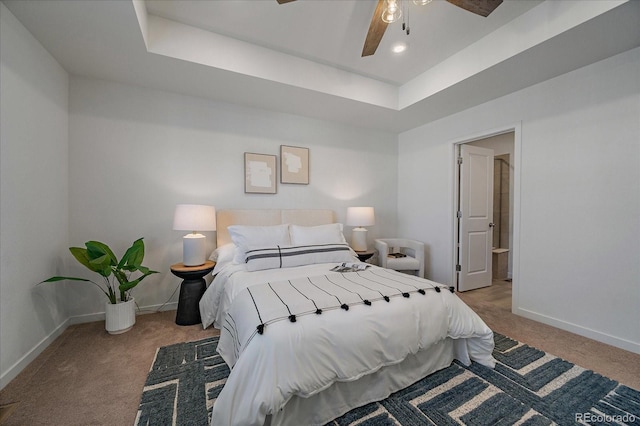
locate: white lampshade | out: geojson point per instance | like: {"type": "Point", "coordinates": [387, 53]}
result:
{"type": "Point", "coordinates": [194, 218]}
{"type": "Point", "coordinates": [360, 216]}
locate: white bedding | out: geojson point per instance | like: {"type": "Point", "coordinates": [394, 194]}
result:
{"type": "Point", "coordinates": [233, 278]}
{"type": "Point", "coordinates": [298, 360]}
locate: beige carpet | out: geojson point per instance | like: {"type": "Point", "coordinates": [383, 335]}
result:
{"type": "Point", "coordinates": [89, 377]}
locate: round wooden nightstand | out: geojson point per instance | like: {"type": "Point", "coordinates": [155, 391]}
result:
{"type": "Point", "coordinates": [191, 290]}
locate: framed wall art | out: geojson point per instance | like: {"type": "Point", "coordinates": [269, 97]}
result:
{"type": "Point", "coordinates": [259, 173]}
{"type": "Point", "coordinates": [294, 165]}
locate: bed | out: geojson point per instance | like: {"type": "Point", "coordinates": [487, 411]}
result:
{"type": "Point", "coordinates": [306, 343]}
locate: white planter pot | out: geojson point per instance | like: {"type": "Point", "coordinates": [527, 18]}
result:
{"type": "Point", "coordinates": [120, 317]}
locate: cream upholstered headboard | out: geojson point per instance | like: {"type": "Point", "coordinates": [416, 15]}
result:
{"type": "Point", "coordinates": [268, 217]}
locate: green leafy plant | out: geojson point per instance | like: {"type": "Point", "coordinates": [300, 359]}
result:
{"type": "Point", "coordinates": [99, 258]}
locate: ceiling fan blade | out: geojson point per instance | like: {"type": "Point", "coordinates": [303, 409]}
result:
{"type": "Point", "coordinates": [284, 1]}
{"type": "Point", "coordinates": [479, 7]}
{"type": "Point", "coordinates": [376, 31]}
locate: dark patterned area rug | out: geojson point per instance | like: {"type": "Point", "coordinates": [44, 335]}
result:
{"type": "Point", "coordinates": [527, 387]}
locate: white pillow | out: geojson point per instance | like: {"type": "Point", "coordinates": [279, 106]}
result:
{"type": "Point", "coordinates": [287, 257]}
{"type": "Point", "coordinates": [223, 255]}
{"type": "Point", "coordinates": [322, 234]}
{"type": "Point", "coordinates": [244, 236]}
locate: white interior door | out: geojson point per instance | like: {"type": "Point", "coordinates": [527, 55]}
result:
{"type": "Point", "coordinates": [475, 236]}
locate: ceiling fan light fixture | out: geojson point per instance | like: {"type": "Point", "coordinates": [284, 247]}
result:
{"type": "Point", "coordinates": [391, 12]}
{"type": "Point", "coordinates": [421, 2]}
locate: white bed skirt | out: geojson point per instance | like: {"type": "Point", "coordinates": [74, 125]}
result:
{"type": "Point", "coordinates": [342, 397]}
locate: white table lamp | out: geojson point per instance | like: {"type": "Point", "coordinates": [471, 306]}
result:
{"type": "Point", "coordinates": [360, 217]}
{"type": "Point", "coordinates": [194, 218]}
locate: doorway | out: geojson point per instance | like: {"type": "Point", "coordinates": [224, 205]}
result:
{"type": "Point", "coordinates": [496, 254]}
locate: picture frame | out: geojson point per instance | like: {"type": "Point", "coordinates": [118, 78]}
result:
{"type": "Point", "coordinates": [294, 165]}
{"type": "Point", "coordinates": [260, 173]}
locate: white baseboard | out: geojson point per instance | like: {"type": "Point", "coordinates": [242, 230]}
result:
{"type": "Point", "coordinates": [173, 306]}
{"type": "Point", "coordinates": [13, 371]}
{"type": "Point", "coordinates": [81, 319]}
{"type": "Point", "coordinates": [582, 331]}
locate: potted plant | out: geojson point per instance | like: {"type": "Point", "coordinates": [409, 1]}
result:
{"type": "Point", "coordinates": [120, 314]}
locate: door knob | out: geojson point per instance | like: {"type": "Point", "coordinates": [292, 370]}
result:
{"type": "Point", "coordinates": [491, 225]}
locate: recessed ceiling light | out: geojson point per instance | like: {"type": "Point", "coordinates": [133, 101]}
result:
{"type": "Point", "coordinates": [399, 48]}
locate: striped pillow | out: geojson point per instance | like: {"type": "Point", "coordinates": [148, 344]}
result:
{"type": "Point", "coordinates": [288, 256]}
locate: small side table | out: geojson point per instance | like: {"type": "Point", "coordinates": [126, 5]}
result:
{"type": "Point", "coordinates": [191, 290]}
{"type": "Point", "coordinates": [363, 256]}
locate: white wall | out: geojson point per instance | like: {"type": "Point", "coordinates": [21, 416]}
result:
{"type": "Point", "coordinates": [579, 233]}
{"type": "Point", "coordinates": [34, 194]}
{"type": "Point", "coordinates": [135, 153]}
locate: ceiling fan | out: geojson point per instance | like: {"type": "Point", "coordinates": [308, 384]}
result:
{"type": "Point", "coordinates": [378, 26]}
